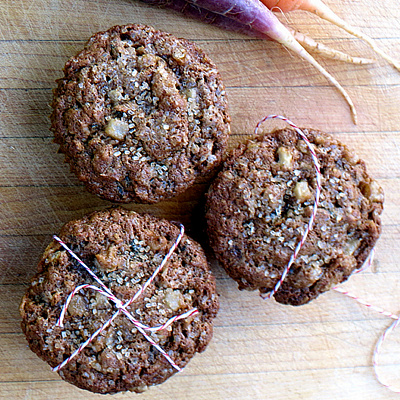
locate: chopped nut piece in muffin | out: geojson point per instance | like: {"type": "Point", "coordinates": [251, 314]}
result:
{"type": "Point", "coordinates": [140, 114]}
{"type": "Point", "coordinates": [123, 249]}
{"type": "Point", "coordinates": [260, 204]}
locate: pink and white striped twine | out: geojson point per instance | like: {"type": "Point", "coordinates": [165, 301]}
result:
{"type": "Point", "coordinates": [366, 264]}
{"type": "Point", "coordinates": [316, 200]}
{"type": "Point", "coordinates": [121, 307]}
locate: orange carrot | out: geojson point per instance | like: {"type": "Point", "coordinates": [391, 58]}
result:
{"type": "Point", "coordinates": [286, 5]}
{"type": "Point", "coordinates": [323, 11]}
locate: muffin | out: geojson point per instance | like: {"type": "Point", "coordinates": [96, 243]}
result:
{"type": "Point", "coordinates": [140, 114]}
{"type": "Point", "coordinates": [259, 206]}
{"type": "Point", "coordinates": [123, 249]}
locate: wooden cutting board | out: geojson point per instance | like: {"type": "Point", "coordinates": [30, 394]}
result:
{"type": "Point", "coordinates": [260, 350]}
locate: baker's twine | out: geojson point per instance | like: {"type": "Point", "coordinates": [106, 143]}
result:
{"type": "Point", "coordinates": [366, 264]}
{"type": "Point", "coordinates": [375, 356]}
{"type": "Point", "coordinates": [121, 307]}
{"type": "Point", "coordinates": [316, 199]}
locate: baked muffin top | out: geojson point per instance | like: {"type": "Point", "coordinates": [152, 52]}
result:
{"type": "Point", "coordinates": [260, 204]}
{"type": "Point", "coordinates": [140, 114]}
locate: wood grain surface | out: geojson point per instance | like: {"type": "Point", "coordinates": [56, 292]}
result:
{"type": "Point", "coordinates": [260, 349]}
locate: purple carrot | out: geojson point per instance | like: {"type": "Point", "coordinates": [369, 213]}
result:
{"type": "Point", "coordinates": [201, 14]}
{"type": "Point", "coordinates": [220, 21]}
{"type": "Point", "coordinates": [256, 17]}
